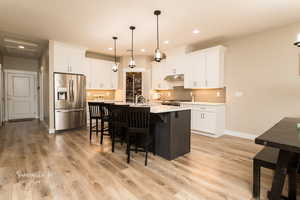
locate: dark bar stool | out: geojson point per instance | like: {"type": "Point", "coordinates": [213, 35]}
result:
{"type": "Point", "coordinates": [119, 123]}
{"type": "Point", "coordinates": [267, 158]}
{"type": "Point", "coordinates": [138, 131]}
{"type": "Point", "coordinates": [105, 117]}
{"type": "Point", "coordinates": [95, 114]}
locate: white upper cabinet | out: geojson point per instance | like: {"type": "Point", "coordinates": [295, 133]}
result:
{"type": "Point", "coordinates": [194, 76]}
{"type": "Point", "coordinates": [159, 72]}
{"type": "Point", "coordinates": [69, 59]}
{"type": "Point", "coordinates": [100, 75]}
{"type": "Point", "coordinates": [205, 68]}
{"type": "Point", "coordinates": [176, 64]}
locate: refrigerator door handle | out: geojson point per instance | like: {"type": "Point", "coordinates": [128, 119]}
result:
{"type": "Point", "coordinates": [72, 90]}
{"type": "Point", "coordinates": [69, 88]}
{"type": "Point", "coordinates": [71, 85]}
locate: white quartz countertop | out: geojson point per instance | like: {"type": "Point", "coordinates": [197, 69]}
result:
{"type": "Point", "coordinates": [203, 103]}
{"type": "Point", "coordinates": [154, 107]}
{"type": "Point", "coordinates": [165, 109]}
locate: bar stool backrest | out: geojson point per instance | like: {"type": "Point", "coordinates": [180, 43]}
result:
{"type": "Point", "coordinates": [139, 119]}
{"type": "Point", "coordinates": [94, 110]}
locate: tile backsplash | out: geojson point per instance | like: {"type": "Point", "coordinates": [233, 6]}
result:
{"type": "Point", "coordinates": [217, 95]}
{"type": "Point", "coordinates": [100, 94]}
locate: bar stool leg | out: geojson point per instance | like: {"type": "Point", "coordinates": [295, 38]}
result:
{"type": "Point", "coordinates": [256, 180]}
{"type": "Point", "coordinates": [113, 140]}
{"type": "Point", "coordinates": [128, 149]}
{"type": "Point", "coordinates": [97, 127]}
{"type": "Point", "coordinates": [292, 183]}
{"type": "Point", "coordinates": [102, 131]}
{"type": "Point", "coordinates": [146, 159]}
{"type": "Point", "coordinates": [91, 128]}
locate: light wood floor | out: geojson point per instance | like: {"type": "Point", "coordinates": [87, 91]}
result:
{"type": "Point", "coordinates": [35, 165]}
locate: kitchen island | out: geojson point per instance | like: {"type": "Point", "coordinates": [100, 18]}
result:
{"type": "Point", "coordinates": [171, 127]}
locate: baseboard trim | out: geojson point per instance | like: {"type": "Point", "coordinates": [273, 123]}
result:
{"type": "Point", "coordinates": [51, 130]}
{"type": "Point", "coordinates": [205, 134]}
{"type": "Point", "coordinates": [240, 134]}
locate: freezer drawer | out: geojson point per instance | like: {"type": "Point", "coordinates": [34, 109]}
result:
{"type": "Point", "coordinates": [69, 119]}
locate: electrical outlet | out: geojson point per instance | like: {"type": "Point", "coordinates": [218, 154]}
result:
{"type": "Point", "coordinates": [238, 94]}
{"type": "Point", "coordinates": [218, 94]}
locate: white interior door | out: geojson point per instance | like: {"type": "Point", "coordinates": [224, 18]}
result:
{"type": "Point", "coordinates": [21, 95]}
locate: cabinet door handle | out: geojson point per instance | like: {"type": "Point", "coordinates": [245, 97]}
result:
{"type": "Point", "coordinates": [206, 83]}
{"type": "Point", "coordinates": [203, 116]}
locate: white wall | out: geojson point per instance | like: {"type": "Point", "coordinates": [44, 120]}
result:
{"type": "Point", "coordinates": [18, 63]}
{"type": "Point", "coordinates": [51, 88]}
{"type": "Point", "coordinates": [44, 64]}
{"type": "Point", "coordinates": [265, 68]}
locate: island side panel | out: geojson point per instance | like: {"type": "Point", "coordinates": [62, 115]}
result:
{"type": "Point", "coordinates": [161, 131]}
{"type": "Point", "coordinates": [172, 133]}
{"type": "Point", "coordinates": [180, 125]}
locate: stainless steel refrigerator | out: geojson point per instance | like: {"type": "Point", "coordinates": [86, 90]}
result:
{"type": "Point", "coordinates": [69, 101]}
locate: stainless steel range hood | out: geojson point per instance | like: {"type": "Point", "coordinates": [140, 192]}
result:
{"type": "Point", "coordinates": [175, 77]}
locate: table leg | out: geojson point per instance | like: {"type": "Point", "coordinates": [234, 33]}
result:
{"type": "Point", "coordinates": [284, 159]}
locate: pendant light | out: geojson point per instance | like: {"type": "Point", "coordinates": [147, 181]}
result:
{"type": "Point", "coordinates": [157, 53]}
{"type": "Point", "coordinates": [115, 65]}
{"type": "Point", "coordinates": [297, 43]}
{"type": "Point", "coordinates": [131, 62]}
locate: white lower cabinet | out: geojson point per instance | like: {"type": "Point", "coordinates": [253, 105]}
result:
{"type": "Point", "coordinates": [207, 119]}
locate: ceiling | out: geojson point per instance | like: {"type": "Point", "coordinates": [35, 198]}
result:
{"type": "Point", "coordinates": [18, 45]}
{"type": "Point", "coordinates": [92, 23]}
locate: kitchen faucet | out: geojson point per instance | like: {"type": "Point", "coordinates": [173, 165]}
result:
{"type": "Point", "coordinates": [137, 97]}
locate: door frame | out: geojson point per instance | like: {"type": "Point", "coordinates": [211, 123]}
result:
{"type": "Point", "coordinates": [2, 108]}
{"type": "Point", "coordinates": [41, 93]}
{"type": "Point", "coordinates": [6, 72]}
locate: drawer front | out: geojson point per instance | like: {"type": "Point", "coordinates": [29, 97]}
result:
{"type": "Point", "coordinates": [204, 108]}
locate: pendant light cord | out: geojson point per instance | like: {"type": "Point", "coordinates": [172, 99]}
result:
{"type": "Point", "coordinates": [157, 33]}
{"type": "Point", "coordinates": [115, 52]}
{"type": "Point", "coordinates": [132, 44]}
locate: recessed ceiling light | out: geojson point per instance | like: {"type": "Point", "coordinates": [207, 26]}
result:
{"type": "Point", "coordinates": [166, 42]}
{"type": "Point", "coordinates": [110, 48]}
{"type": "Point", "coordinates": [196, 31]}
{"type": "Point", "coordinates": [21, 47]}
{"type": "Point", "coordinates": [143, 50]}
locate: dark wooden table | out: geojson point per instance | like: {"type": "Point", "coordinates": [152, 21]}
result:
{"type": "Point", "coordinates": [286, 137]}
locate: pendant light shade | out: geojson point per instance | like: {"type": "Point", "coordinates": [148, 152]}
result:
{"type": "Point", "coordinates": [157, 54]}
{"type": "Point", "coordinates": [297, 43]}
{"type": "Point", "coordinates": [131, 62]}
{"type": "Point", "coordinates": [115, 66]}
